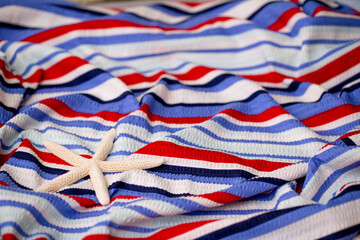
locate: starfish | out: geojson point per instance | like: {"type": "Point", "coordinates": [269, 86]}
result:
{"type": "Point", "coordinates": [93, 167]}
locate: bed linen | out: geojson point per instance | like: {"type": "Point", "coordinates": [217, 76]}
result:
{"type": "Point", "coordinates": [253, 107]}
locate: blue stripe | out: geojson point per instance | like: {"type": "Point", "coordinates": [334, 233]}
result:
{"type": "Point", "coordinates": [240, 154]}
{"type": "Point", "coordinates": [332, 178]}
{"type": "Point", "coordinates": [21, 231]}
{"type": "Point", "coordinates": [288, 143]}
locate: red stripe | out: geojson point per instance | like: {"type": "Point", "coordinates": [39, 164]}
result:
{"type": "Point", "coordinates": [9, 236]}
{"type": "Point", "coordinates": [44, 156]}
{"type": "Point", "coordinates": [192, 4]}
{"type": "Point", "coordinates": [3, 184]}
{"type": "Point", "coordinates": [119, 10]}
{"type": "Point", "coordinates": [63, 67]}
{"type": "Point", "coordinates": [135, 78]}
{"type": "Point", "coordinates": [334, 68]}
{"type": "Point", "coordinates": [95, 24]}
{"type": "Point", "coordinates": [221, 197]}
{"type": "Point", "coordinates": [321, 75]}
{"type": "Point", "coordinates": [356, 13]}
{"type": "Point", "coordinates": [8, 74]}
{"type": "Point", "coordinates": [192, 75]}
{"type": "Point", "coordinates": [209, 22]}
{"type": "Point", "coordinates": [322, 9]}
{"type": "Point", "coordinates": [272, 77]}
{"type": "Point", "coordinates": [5, 157]}
{"type": "Point", "coordinates": [168, 149]}
{"type": "Point", "coordinates": [84, 202]}
{"type": "Point", "coordinates": [57, 70]}
{"type": "Point", "coordinates": [348, 184]}
{"type": "Point", "coordinates": [349, 134]}
{"type": "Point", "coordinates": [331, 115]}
{"type": "Point", "coordinates": [124, 197]}
{"type": "Point", "coordinates": [35, 77]}
{"type": "Point", "coordinates": [326, 9]}
{"type": "Point", "coordinates": [195, 73]}
{"type": "Point", "coordinates": [104, 24]}
{"type": "Point", "coordinates": [284, 18]}
{"type": "Point", "coordinates": [165, 233]}
{"type": "Point", "coordinates": [62, 109]}
{"type": "Point", "coordinates": [262, 117]}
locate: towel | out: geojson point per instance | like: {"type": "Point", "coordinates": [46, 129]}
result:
{"type": "Point", "coordinates": [252, 107]}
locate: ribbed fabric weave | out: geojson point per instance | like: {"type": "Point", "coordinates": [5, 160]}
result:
{"type": "Point", "coordinates": [253, 105]}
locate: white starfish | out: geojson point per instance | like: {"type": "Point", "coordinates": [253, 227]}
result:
{"type": "Point", "coordinates": [93, 167]}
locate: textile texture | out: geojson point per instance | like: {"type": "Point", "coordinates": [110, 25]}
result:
{"type": "Point", "coordinates": [253, 107]}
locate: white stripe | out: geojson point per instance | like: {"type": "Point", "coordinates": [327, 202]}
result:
{"type": "Point", "coordinates": [160, 207]}
{"type": "Point", "coordinates": [155, 15]}
{"type": "Point", "coordinates": [244, 9]}
{"type": "Point", "coordinates": [68, 77]}
{"type": "Point", "coordinates": [145, 179]}
{"type": "Point", "coordinates": [346, 186]}
{"type": "Point", "coordinates": [106, 91]}
{"type": "Point", "coordinates": [203, 6]}
{"type": "Point", "coordinates": [312, 94]}
{"type": "Point", "coordinates": [338, 122]}
{"type": "Point", "coordinates": [350, 175]}
{"type": "Point", "coordinates": [325, 170]}
{"type": "Point", "coordinates": [8, 80]}
{"type": "Point", "coordinates": [236, 92]}
{"type": "Point", "coordinates": [140, 178]}
{"type": "Point", "coordinates": [246, 58]}
{"type": "Point", "coordinates": [120, 215]}
{"type": "Point", "coordinates": [202, 201]}
{"type": "Point", "coordinates": [336, 14]}
{"type": "Point", "coordinates": [282, 85]}
{"type": "Point", "coordinates": [34, 54]}
{"type": "Point", "coordinates": [200, 81]}
{"type": "Point", "coordinates": [292, 21]}
{"type": "Point", "coordinates": [184, 162]}
{"type": "Point", "coordinates": [331, 221]}
{"type": "Point", "coordinates": [11, 50]}
{"type": "Point", "coordinates": [341, 77]}
{"type": "Point", "coordinates": [11, 100]}
{"type": "Point", "coordinates": [199, 138]}
{"type": "Point", "coordinates": [46, 164]}
{"type": "Point", "coordinates": [208, 228]}
{"type": "Point", "coordinates": [51, 113]}
{"type": "Point", "coordinates": [123, 30]}
{"type": "Point", "coordinates": [33, 18]}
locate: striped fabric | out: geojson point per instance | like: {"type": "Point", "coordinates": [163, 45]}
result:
{"type": "Point", "coordinates": [254, 105]}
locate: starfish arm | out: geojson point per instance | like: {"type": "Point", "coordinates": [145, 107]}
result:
{"type": "Point", "coordinates": [100, 185]}
{"type": "Point", "coordinates": [105, 145]}
{"type": "Point", "coordinates": [125, 165]}
{"type": "Point", "coordinates": [64, 180]}
{"type": "Point", "coordinates": [65, 154]}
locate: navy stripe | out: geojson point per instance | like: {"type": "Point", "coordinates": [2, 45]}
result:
{"type": "Point", "coordinates": [349, 232]}
{"type": "Point", "coordinates": [77, 81]}
{"type": "Point", "coordinates": [216, 173]}
{"type": "Point", "coordinates": [246, 225]}
{"type": "Point", "coordinates": [27, 157]}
